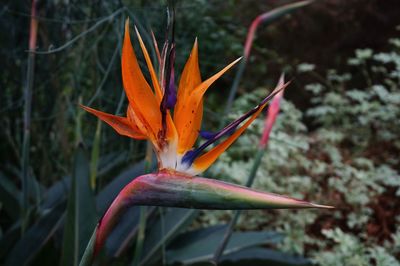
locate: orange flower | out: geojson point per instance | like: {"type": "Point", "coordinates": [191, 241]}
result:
{"type": "Point", "coordinates": [149, 111]}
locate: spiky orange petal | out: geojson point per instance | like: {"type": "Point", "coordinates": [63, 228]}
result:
{"type": "Point", "coordinates": [135, 121]}
{"type": "Point", "coordinates": [190, 79]}
{"type": "Point", "coordinates": [171, 131]}
{"type": "Point", "coordinates": [185, 118]}
{"type": "Point", "coordinates": [121, 124]}
{"type": "Point", "coordinates": [138, 91]}
{"type": "Point", "coordinates": [153, 75]}
{"type": "Point", "coordinates": [204, 161]}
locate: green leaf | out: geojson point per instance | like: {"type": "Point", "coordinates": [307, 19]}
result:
{"type": "Point", "coordinates": [36, 237]}
{"type": "Point", "coordinates": [10, 197]}
{"type": "Point", "coordinates": [199, 245]}
{"type": "Point", "coordinates": [257, 256]}
{"type": "Point", "coordinates": [9, 239]}
{"type": "Point", "coordinates": [81, 215]}
{"type": "Point", "coordinates": [162, 231]}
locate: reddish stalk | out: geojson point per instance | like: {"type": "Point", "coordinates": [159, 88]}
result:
{"type": "Point", "coordinates": [27, 114]}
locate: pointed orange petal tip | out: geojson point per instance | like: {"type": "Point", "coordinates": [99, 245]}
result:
{"type": "Point", "coordinates": [120, 124]}
{"type": "Point", "coordinates": [138, 91]}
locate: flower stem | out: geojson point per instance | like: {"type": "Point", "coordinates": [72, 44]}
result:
{"type": "Point", "coordinates": [266, 19]}
{"type": "Point", "coordinates": [143, 214]}
{"type": "Point", "coordinates": [232, 223]}
{"type": "Point", "coordinates": [140, 236]}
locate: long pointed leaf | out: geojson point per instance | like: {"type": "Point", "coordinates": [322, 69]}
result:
{"type": "Point", "coordinates": [202, 248]}
{"type": "Point", "coordinates": [81, 212]}
{"type": "Point", "coordinates": [257, 256]}
{"type": "Point", "coordinates": [10, 197]}
{"type": "Point", "coordinates": [36, 237]}
{"type": "Point", "coordinates": [161, 232]}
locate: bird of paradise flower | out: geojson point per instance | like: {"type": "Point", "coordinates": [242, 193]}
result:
{"type": "Point", "coordinates": [171, 122]}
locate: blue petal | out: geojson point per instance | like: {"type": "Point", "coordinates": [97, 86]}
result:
{"type": "Point", "coordinates": [207, 134]}
{"type": "Point", "coordinates": [191, 155]}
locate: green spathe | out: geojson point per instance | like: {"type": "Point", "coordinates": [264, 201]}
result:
{"type": "Point", "coordinates": [174, 189]}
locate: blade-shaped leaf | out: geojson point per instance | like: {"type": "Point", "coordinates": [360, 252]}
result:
{"type": "Point", "coordinates": [36, 237]}
{"type": "Point", "coordinates": [257, 256]}
{"type": "Point", "coordinates": [9, 197]}
{"type": "Point", "coordinates": [9, 238]}
{"type": "Point", "coordinates": [81, 212]}
{"type": "Point", "coordinates": [200, 245]}
{"type": "Point", "coordinates": [162, 231]}
{"type": "Point", "coordinates": [126, 231]}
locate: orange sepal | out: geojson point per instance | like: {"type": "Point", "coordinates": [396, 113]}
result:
{"type": "Point", "coordinates": [135, 121]}
{"type": "Point", "coordinates": [121, 124]}
{"type": "Point", "coordinates": [204, 161]}
{"type": "Point", "coordinates": [185, 118]}
{"type": "Point", "coordinates": [190, 79]}
{"type": "Point", "coordinates": [153, 75]}
{"type": "Point", "coordinates": [138, 91]}
{"type": "Point", "coordinates": [171, 131]}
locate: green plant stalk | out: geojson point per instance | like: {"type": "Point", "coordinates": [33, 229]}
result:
{"type": "Point", "coordinates": [78, 123]}
{"type": "Point", "coordinates": [272, 114]}
{"type": "Point", "coordinates": [234, 87]}
{"type": "Point", "coordinates": [87, 257]}
{"type": "Point", "coordinates": [163, 252]}
{"type": "Point", "coordinates": [265, 18]}
{"type": "Point", "coordinates": [143, 213]}
{"type": "Point", "coordinates": [95, 156]}
{"type": "Point", "coordinates": [234, 220]}
{"type": "Point", "coordinates": [140, 236]}
{"type": "Point", "coordinates": [27, 117]}
{"type": "Point", "coordinates": [81, 213]}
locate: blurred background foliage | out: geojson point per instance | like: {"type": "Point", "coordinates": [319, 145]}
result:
{"type": "Point", "coordinates": [336, 140]}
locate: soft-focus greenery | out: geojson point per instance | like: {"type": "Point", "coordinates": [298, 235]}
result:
{"type": "Point", "coordinates": [336, 141]}
{"type": "Point", "coordinates": [347, 159]}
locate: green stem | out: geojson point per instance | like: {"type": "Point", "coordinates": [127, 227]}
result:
{"type": "Point", "coordinates": [163, 253]}
{"type": "Point", "coordinates": [235, 85]}
{"type": "Point", "coordinates": [140, 237]}
{"type": "Point", "coordinates": [87, 257]}
{"type": "Point", "coordinates": [234, 220]}
{"type": "Point", "coordinates": [143, 212]}
{"type": "Point", "coordinates": [95, 156]}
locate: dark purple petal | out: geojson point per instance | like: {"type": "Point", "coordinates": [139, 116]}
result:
{"type": "Point", "coordinates": [171, 89]}
{"type": "Point", "coordinates": [207, 134]}
{"type": "Point", "coordinates": [169, 98]}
